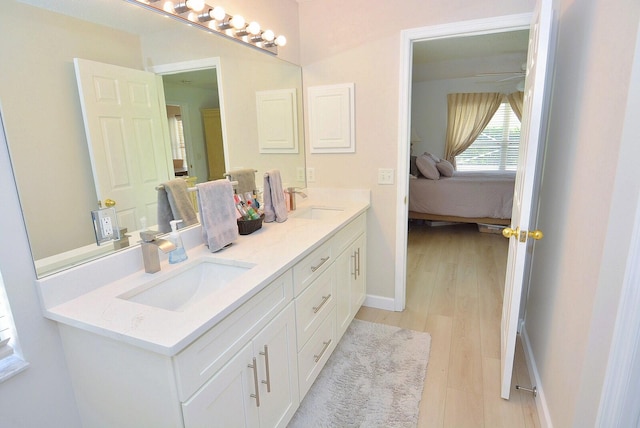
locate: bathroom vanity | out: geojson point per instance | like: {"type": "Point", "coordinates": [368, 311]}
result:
{"type": "Point", "coordinates": [234, 338]}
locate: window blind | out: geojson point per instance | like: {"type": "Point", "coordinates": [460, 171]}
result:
{"type": "Point", "coordinates": [496, 148]}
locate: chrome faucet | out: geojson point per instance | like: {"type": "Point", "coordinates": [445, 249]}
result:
{"type": "Point", "coordinates": [292, 191]}
{"type": "Point", "coordinates": [150, 244]}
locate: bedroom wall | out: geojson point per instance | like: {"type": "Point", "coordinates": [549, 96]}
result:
{"type": "Point", "coordinates": [587, 203]}
{"type": "Point", "coordinates": [429, 109]}
{"type": "Point", "coordinates": [360, 43]}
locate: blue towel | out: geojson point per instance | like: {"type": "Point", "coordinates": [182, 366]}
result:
{"type": "Point", "coordinates": [217, 213]}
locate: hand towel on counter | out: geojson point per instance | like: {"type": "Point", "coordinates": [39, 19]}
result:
{"type": "Point", "coordinates": [246, 179]}
{"type": "Point", "coordinates": [217, 213]}
{"type": "Point", "coordinates": [174, 203]}
{"type": "Point", "coordinates": [274, 204]}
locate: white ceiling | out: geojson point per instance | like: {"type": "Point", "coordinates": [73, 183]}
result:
{"type": "Point", "coordinates": [467, 56]}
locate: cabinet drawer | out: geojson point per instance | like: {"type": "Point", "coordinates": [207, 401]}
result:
{"type": "Point", "coordinates": [348, 234]}
{"type": "Point", "coordinates": [309, 268]}
{"type": "Point", "coordinates": [204, 357]}
{"type": "Point", "coordinates": [314, 355]}
{"type": "Point", "coordinates": [313, 305]}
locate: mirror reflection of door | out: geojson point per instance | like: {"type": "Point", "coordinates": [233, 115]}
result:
{"type": "Point", "coordinates": [213, 138]}
{"type": "Point", "coordinates": [178, 141]}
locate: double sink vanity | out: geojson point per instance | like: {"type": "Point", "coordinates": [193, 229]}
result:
{"type": "Point", "coordinates": [233, 338]}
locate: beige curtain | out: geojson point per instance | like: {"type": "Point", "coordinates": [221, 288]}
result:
{"type": "Point", "coordinates": [468, 115]}
{"type": "Point", "coordinates": [516, 100]}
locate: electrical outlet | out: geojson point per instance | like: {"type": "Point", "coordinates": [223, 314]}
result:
{"type": "Point", "coordinates": [311, 175]}
{"type": "Point", "coordinates": [385, 176]}
{"type": "Point", "coordinates": [300, 173]}
{"type": "Point", "coordinates": [105, 225]}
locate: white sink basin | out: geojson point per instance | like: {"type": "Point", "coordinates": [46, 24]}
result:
{"type": "Point", "coordinates": [317, 213]}
{"type": "Point", "coordinates": [180, 289]}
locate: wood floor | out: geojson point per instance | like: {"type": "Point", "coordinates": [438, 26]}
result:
{"type": "Point", "coordinates": [455, 280]}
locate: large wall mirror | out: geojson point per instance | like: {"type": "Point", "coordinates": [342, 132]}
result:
{"type": "Point", "coordinates": [43, 116]}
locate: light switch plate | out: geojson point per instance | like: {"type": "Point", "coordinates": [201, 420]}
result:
{"type": "Point", "coordinates": [311, 175]}
{"type": "Point", "coordinates": [105, 225]}
{"type": "Point", "coordinates": [385, 176]}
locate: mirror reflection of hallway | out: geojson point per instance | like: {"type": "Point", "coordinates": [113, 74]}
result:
{"type": "Point", "coordinates": [178, 143]}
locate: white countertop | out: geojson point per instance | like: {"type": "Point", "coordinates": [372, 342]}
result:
{"type": "Point", "coordinates": [86, 297]}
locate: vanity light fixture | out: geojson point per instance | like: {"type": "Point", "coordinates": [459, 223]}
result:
{"type": "Point", "coordinates": [215, 20]}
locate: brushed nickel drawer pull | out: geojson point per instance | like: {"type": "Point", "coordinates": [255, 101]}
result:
{"type": "Point", "coordinates": [316, 358]}
{"type": "Point", "coordinates": [358, 264]}
{"type": "Point", "coordinates": [266, 363]}
{"type": "Point", "coordinates": [324, 300]}
{"type": "Point", "coordinates": [354, 270]}
{"type": "Point", "coordinates": [322, 261]}
{"type": "Point", "coordinates": [254, 366]}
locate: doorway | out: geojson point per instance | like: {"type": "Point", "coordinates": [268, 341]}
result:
{"type": "Point", "coordinates": [409, 38]}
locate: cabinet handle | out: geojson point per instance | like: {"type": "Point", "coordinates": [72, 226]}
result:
{"type": "Point", "coordinates": [316, 358]}
{"type": "Point", "coordinates": [354, 270]}
{"type": "Point", "coordinates": [322, 261]}
{"type": "Point", "coordinates": [254, 366]}
{"type": "Point", "coordinates": [358, 263]}
{"type": "Point", "coordinates": [324, 300]}
{"type": "Point", "coordinates": [266, 363]}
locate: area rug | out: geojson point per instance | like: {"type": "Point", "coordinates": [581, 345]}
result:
{"type": "Point", "coordinates": [374, 378]}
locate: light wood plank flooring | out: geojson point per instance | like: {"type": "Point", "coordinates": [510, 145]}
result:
{"type": "Point", "coordinates": [455, 281]}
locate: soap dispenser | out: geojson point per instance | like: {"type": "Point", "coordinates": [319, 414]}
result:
{"type": "Point", "coordinates": [179, 254]}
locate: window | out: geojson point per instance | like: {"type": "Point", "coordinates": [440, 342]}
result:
{"type": "Point", "coordinates": [10, 361]}
{"type": "Point", "coordinates": [496, 148]}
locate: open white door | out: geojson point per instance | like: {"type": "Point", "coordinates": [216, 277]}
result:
{"type": "Point", "coordinates": [531, 147]}
{"type": "Point", "coordinates": [125, 122]}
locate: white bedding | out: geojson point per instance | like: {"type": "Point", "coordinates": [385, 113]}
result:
{"type": "Point", "coordinates": [466, 194]}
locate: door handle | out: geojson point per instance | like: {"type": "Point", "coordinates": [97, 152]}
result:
{"type": "Point", "coordinates": [109, 203]}
{"type": "Point", "coordinates": [508, 232]}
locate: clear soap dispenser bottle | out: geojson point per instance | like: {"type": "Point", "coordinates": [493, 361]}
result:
{"type": "Point", "coordinates": [179, 254]}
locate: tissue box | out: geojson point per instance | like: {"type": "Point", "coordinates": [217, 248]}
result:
{"type": "Point", "coordinates": [245, 227]}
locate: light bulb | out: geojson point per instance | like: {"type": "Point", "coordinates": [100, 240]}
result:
{"type": "Point", "coordinates": [218, 13]}
{"type": "Point", "coordinates": [193, 16]}
{"type": "Point", "coordinates": [168, 7]}
{"type": "Point", "coordinates": [195, 5]}
{"type": "Point", "coordinates": [268, 36]}
{"type": "Point", "coordinates": [281, 40]}
{"type": "Point", "coordinates": [238, 22]}
{"type": "Point", "coordinates": [253, 28]}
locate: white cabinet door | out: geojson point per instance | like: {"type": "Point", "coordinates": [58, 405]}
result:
{"type": "Point", "coordinates": [345, 270]}
{"type": "Point", "coordinates": [226, 400]}
{"type": "Point", "coordinates": [257, 388]}
{"type": "Point", "coordinates": [275, 350]}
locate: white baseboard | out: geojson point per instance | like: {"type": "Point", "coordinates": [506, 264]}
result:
{"type": "Point", "coordinates": [379, 302]}
{"type": "Point", "coordinates": [541, 401]}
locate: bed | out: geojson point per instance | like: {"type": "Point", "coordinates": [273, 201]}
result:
{"type": "Point", "coordinates": [466, 197]}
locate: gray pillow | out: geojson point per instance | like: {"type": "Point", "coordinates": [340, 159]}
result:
{"type": "Point", "coordinates": [445, 168]}
{"type": "Point", "coordinates": [427, 166]}
{"type": "Point", "coordinates": [413, 168]}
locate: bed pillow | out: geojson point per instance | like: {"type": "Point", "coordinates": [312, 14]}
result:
{"type": "Point", "coordinates": [427, 166]}
{"type": "Point", "coordinates": [445, 168]}
{"type": "Point", "coordinates": [435, 158]}
{"type": "Point", "coordinates": [413, 168]}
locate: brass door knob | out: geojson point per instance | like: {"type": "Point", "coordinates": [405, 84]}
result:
{"type": "Point", "coordinates": [109, 203]}
{"type": "Point", "coordinates": [507, 232]}
{"type": "Point", "coordinates": [535, 234]}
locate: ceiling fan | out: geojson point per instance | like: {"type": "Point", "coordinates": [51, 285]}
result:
{"type": "Point", "coordinates": [505, 76]}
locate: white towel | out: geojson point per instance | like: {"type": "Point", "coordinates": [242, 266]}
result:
{"type": "Point", "coordinates": [174, 203]}
{"type": "Point", "coordinates": [217, 213]}
{"type": "Point", "coordinates": [274, 205]}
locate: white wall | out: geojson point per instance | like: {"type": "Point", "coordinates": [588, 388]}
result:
{"type": "Point", "coordinates": [40, 396]}
{"type": "Point", "coordinates": [357, 41]}
{"type": "Point", "coordinates": [578, 267]}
